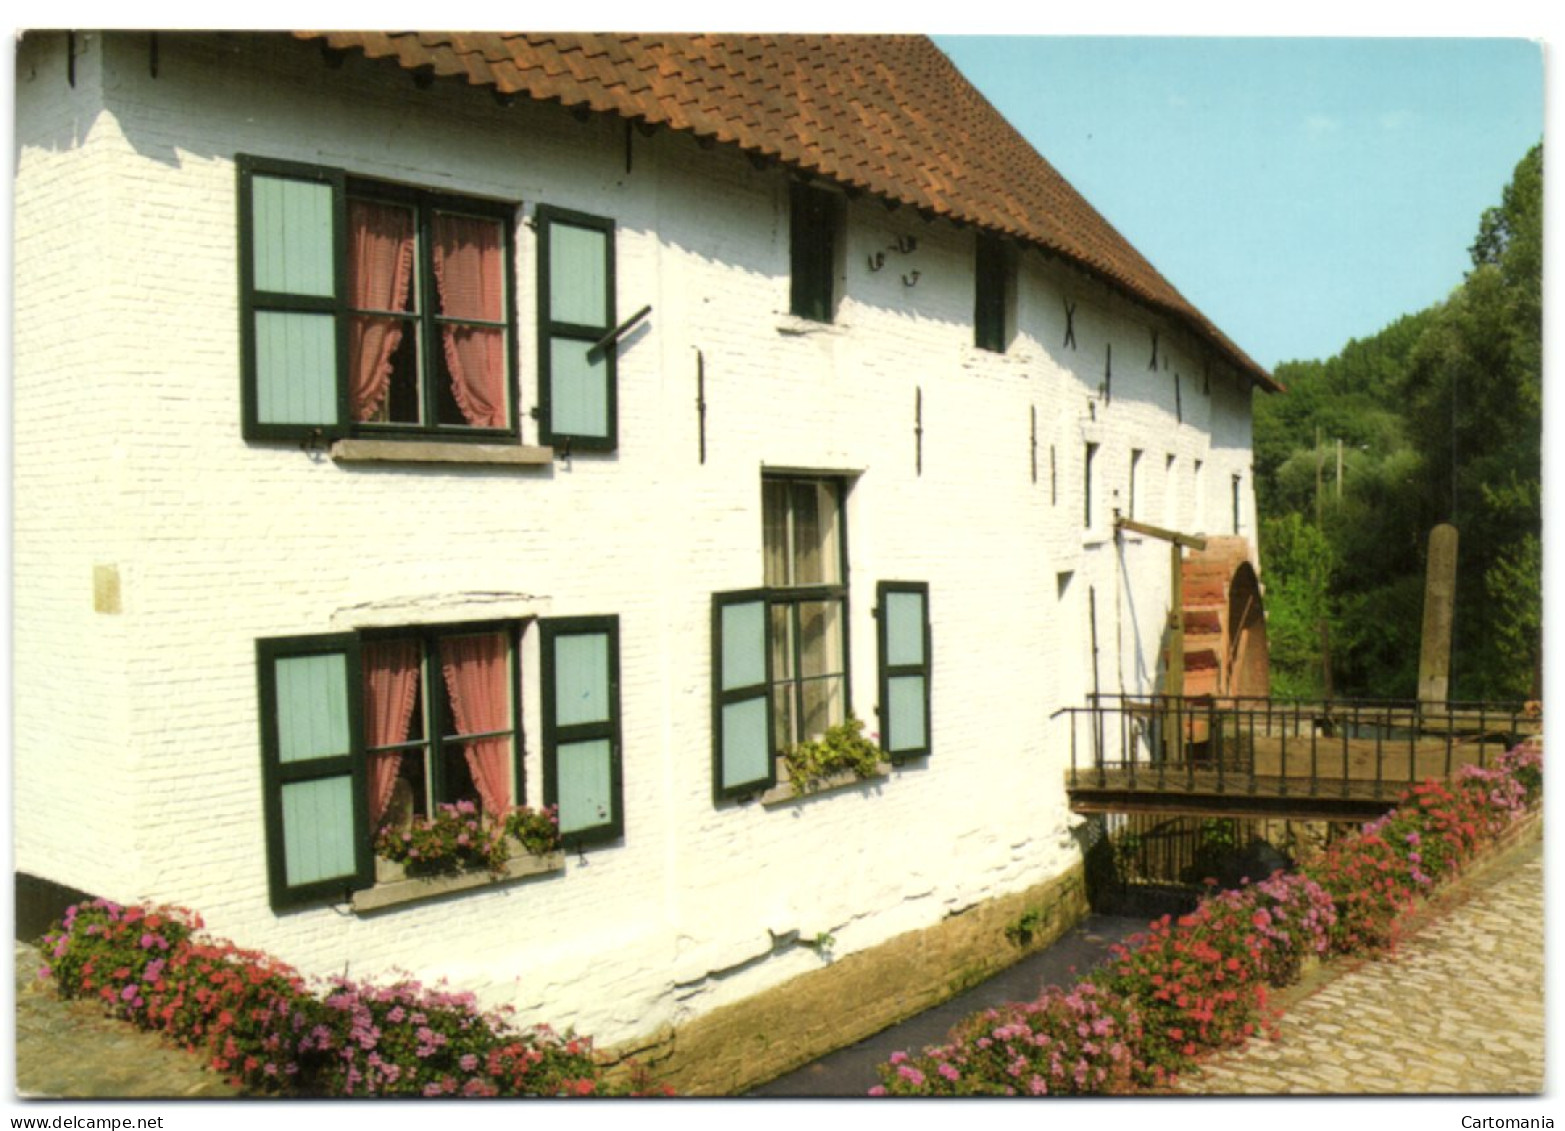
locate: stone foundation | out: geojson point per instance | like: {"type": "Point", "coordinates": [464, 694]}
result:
{"type": "Point", "coordinates": [740, 1046]}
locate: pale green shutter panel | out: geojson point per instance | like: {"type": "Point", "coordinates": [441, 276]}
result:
{"type": "Point", "coordinates": [312, 768]}
{"type": "Point", "coordinates": [579, 390]}
{"type": "Point", "coordinates": [581, 727]}
{"type": "Point", "coordinates": [742, 755]}
{"type": "Point", "coordinates": [578, 275]}
{"type": "Point", "coordinates": [291, 283]}
{"type": "Point", "coordinates": [578, 395]}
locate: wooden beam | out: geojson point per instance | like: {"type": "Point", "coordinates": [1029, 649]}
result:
{"type": "Point", "coordinates": [1189, 541]}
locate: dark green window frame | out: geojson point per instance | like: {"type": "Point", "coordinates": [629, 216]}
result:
{"type": "Point", "coordinates": [737, 695]}
{"type": "Point", "coordinates": [814, 230]}
{"type": "Point", "coordinates": [900, 669]}
{"type": "Point", "coordinates": [262, 423]}
{"type": "Point", "coordinates": [606, 728]}
{"type": "Point", "coordinates": [555, 428]}
{"type": "Point", "coordinates": [352, 764]}
{"type": "Point", "coordinates": [993, 278]}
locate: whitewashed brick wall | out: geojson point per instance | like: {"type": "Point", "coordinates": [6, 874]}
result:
{"type": "Point", "coordinates": [138, 765]}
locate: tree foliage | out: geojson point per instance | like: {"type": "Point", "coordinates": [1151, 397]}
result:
{"type": "Point", "coordinates": [1440, 420]}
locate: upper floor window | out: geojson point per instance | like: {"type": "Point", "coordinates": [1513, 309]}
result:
{"type": "Point", "coordinates": [372, 309]}
{"type": "Point", "coordinates": [994, 294]}
{"type": "Point", "coordinates": [814, 232]}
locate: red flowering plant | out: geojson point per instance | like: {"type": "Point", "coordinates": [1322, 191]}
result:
{"type": "Point", "coordinates": [113, 953]}
{"type": "Point", "coordinates": [457, 838]}
{"type": "Point", "coordinates": [241, 1007]}
{"type": "Point", "coordinates": [1067, 1042]}
{"type": "Point", "coordinates": [1197, 980]}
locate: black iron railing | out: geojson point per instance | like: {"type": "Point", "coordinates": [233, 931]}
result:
{"type": "Point", "coordinates": [1242, 744]}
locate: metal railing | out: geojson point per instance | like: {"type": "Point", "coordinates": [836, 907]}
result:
{"type": "Point", "coordinates": [1260, 745]}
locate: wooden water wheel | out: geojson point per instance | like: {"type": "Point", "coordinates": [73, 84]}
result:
{"type": "Point", "coordinates": [1225, 649]}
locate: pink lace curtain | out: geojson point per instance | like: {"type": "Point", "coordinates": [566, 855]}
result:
{"type": "Point", "coordinates": [391, 670]}
{"type": "Point", "coordinates": [478, 680]}
{"type": "Point", "coordinates": [380, 269]}
{"type": "Point", "coordinates": [469, 272]}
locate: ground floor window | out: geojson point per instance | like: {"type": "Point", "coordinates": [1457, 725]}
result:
{"type": "Point", "coordinates": [361, 730]}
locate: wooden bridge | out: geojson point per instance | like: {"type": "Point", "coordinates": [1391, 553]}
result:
{"type": "Point", "coordinates": [1260, 757]}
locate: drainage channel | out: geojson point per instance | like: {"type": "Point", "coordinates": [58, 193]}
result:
{"type": "Point", "coordinates": [851, 1071]}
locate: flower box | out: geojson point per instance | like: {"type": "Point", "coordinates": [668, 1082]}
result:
{"type": "Point", "coordinates": [393, 886]}
{"type": "Point", "coordinates": [783, 792]}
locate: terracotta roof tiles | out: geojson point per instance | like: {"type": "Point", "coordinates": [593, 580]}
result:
{"type": "Point", "coordinates": [890, 115]}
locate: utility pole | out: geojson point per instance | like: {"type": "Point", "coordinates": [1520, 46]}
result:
{"type": "Point", "coordinates": [1319, 464]}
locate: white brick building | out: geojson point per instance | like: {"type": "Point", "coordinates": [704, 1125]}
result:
{"type": "Point", "coordinates": [229, 500]}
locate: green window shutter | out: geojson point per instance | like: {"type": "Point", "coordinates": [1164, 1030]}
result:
{"type": "Point", "coordinates": [812, 249]}
{"type": "Point", "coordinates": [312, 768]}
{"type": "Point", "coordinates": [582, 771]}
{"type": "Point", "coordinates": [578, 387]}
{"type": "Point", "coordinates": [292, 255]}
{"type": "Point", "coordinates": [742, 753]}
{"type": "Point", "coordinates": [902, 615]}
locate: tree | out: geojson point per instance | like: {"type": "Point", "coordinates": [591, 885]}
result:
{"type": "Point", "coordinates": [1440, 419]}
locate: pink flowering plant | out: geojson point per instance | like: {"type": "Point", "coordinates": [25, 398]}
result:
{"type": "Point", "coordinates": [1068, 1042]}
{"type": "Point", "coordinates": [457, 838]}
{"type": "Point", "coordinates": [264, 1027]}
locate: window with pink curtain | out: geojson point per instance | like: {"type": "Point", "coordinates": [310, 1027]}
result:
{"type": "Point", "coordinates": [391, 681]}
{"type": "Point", "coordinates": [380, 272]}
{"type": "Point", "coordinates": [478, 680]}
{"type": "Point", "coordinates": [469, 266]}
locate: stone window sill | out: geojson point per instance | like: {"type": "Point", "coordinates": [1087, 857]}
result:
{"type": "Point", "coordinates": [793, 326]}
{"type": "Point", "coordinates": [784, 794]}
{"type": "Point", "coordinates": [360, 450]}
{"type": "Point", "coordinates": [392, 888]}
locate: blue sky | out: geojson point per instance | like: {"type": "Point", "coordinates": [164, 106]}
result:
{"type": "Point", "coordinates": [1301, 192]}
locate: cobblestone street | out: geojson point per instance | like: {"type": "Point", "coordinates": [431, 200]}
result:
{"type": "Point", "coordinates": [70, 1049]}
{"type": "Point", "coordinates": [1457, 1008]}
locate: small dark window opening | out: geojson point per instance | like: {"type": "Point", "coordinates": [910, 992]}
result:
{"type": "Point", "coordinates": [1086, 486]}
{"type": "Point", "coordinates": [993, 284]}
{"type": "Point", "coordinates": [814, 218]}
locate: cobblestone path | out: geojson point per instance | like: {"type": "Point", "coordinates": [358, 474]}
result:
{"type": "Point", "coordinates": [70, 1049]}
{"type": "Point", "coordinates": [1457, 1008]}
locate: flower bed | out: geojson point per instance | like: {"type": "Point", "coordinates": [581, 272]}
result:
{"type": "Point", "coordinates": [260, 1022]}
{"type": "Point", "coordinates": [1190, 985]}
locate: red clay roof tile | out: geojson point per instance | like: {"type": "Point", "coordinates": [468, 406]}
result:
{"type": "Point", "coordinates": [887, 114]}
